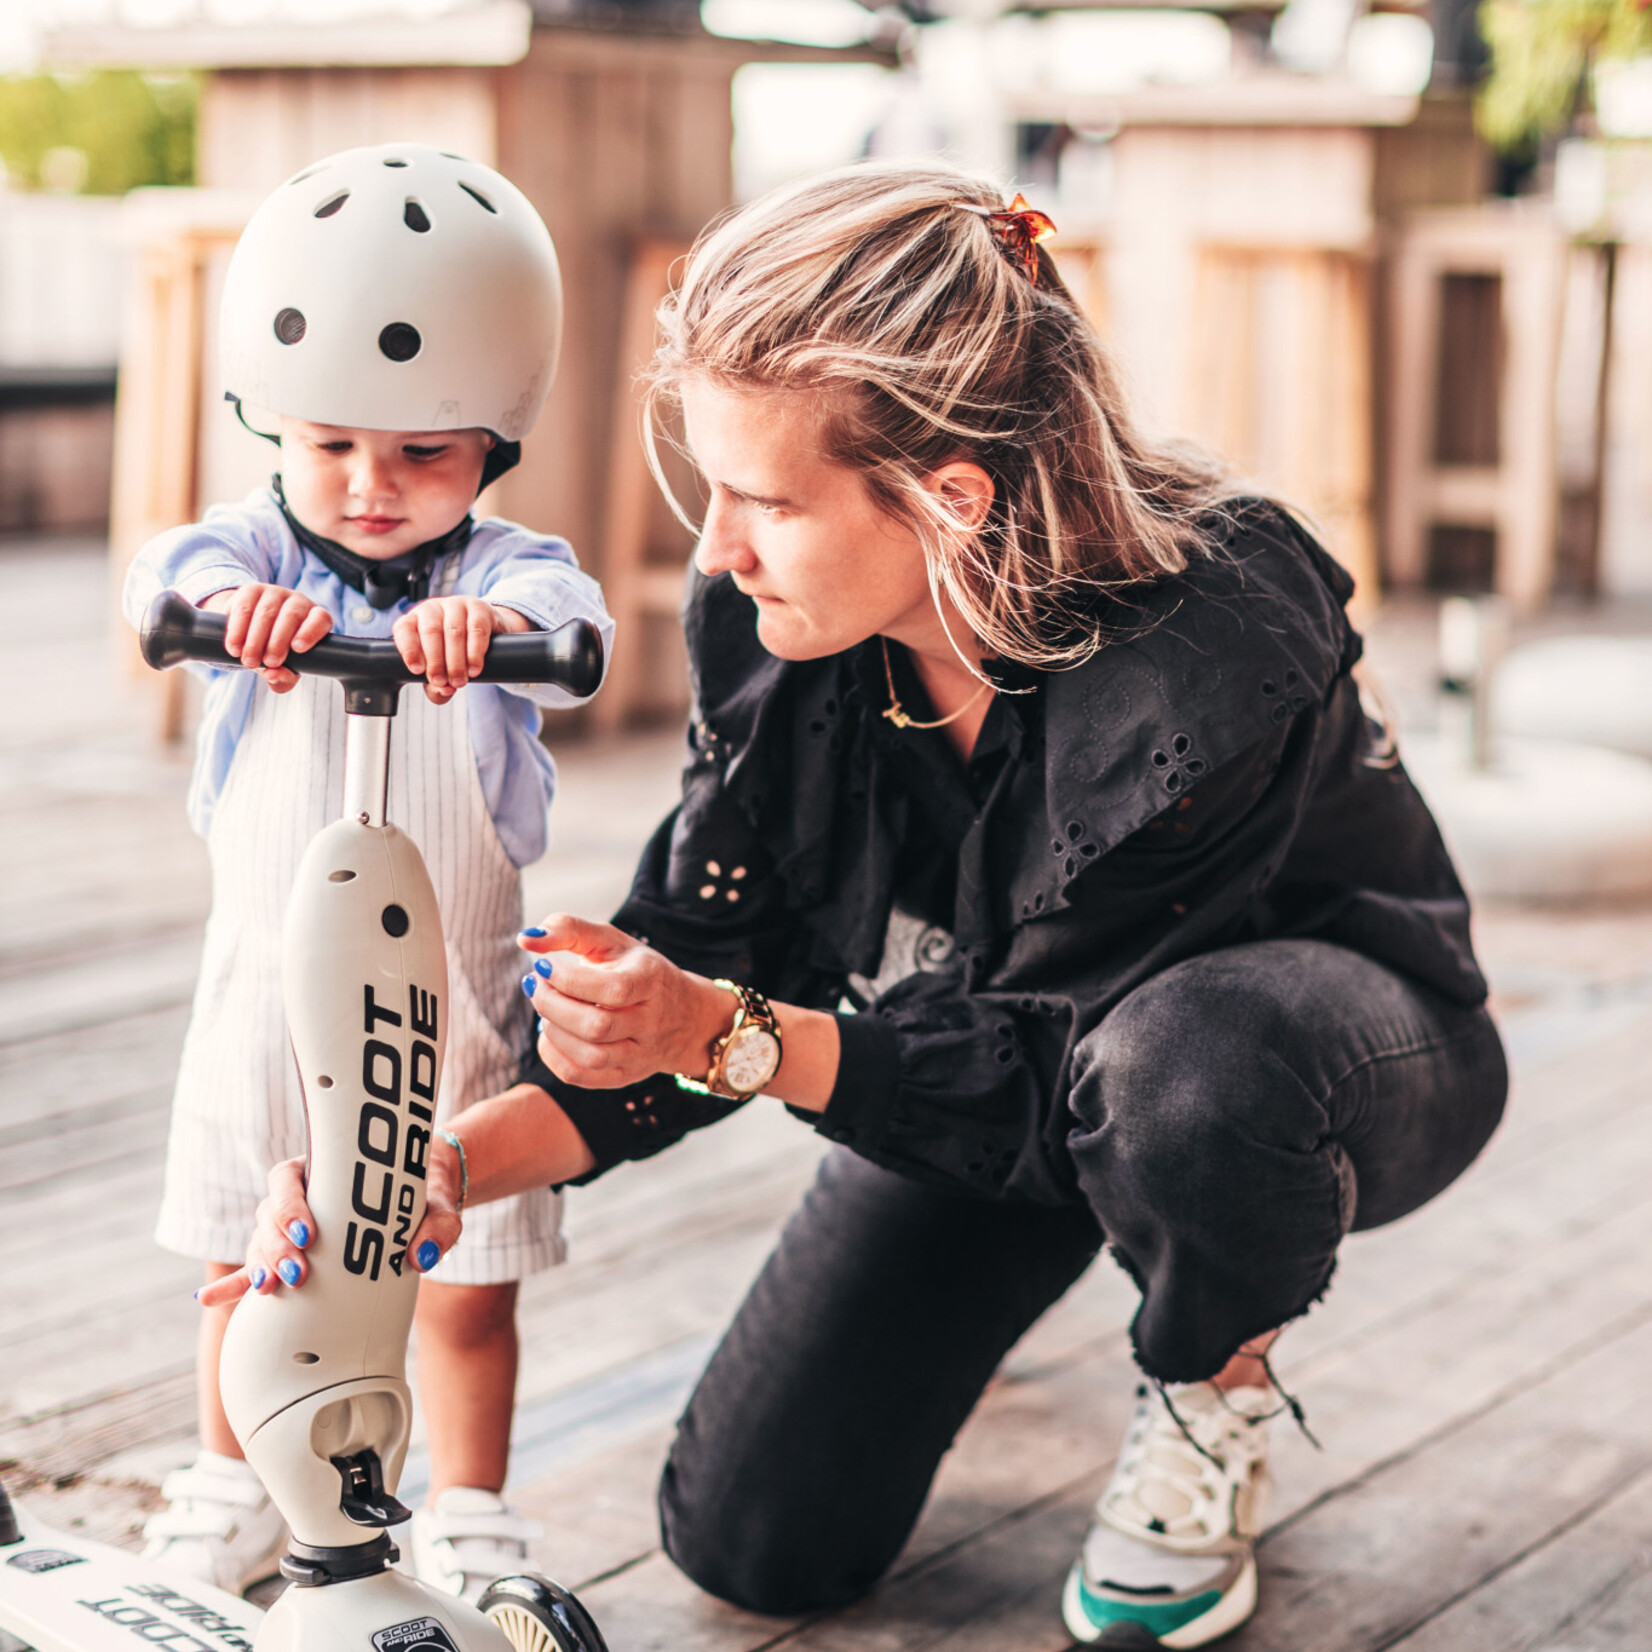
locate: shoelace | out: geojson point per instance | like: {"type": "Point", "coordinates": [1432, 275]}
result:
{"type": "Point", "coordinates": [1172, 1475]}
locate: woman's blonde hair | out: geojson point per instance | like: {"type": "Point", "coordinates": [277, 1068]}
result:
{"type": "Point", "coordinates": [884, 288]}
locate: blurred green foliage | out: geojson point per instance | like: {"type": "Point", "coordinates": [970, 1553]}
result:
{"type": "Point", "coordinates": [131, 128]}
{"type": "Point", "coordinates": [1542, 52]}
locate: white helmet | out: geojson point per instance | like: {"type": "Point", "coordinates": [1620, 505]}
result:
{"type": "Point", "coordinates": [394, 288]}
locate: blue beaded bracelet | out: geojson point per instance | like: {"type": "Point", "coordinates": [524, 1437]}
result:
{"type": "Point", "coordinates": [464, 1168]}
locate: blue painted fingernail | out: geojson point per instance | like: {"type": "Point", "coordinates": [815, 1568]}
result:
{"type": "Point", "coordinates": [537, 933]}
{"type": "Point", "coordinates": [288, 1269]}
{"type": "Point", "coordinates": [428, 1253]}
{"type": "Point", "coordinates": [542, 966]}
{"type": "Point", "coordinates": [299, 1233]}
{"type": "Point", "coordinates": [542, 1027]}
{"type": "Point", "coordinates": [530, 984]}
{"type": "Point", "coordinates": [258, 1278]}
{"type": "Point", "coordinates": [197, 1294]}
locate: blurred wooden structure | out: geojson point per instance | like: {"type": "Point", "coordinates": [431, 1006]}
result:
{"type": "Point", "coordinates": [643, 550]}
{"type": "Point", "coordinates": [1281, 381]}
{"type": "Point", "coordinates": [61, 280]}
{"type": "Point", "coordinates": [1243, 225]}
{"type": "Point", "coordinates": [619, 135]}
{"type": "Point", "coordinates": [1498, 471]}
{"type": "Point", "coordinates": [176, 237]}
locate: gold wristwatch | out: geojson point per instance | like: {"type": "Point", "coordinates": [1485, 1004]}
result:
{"type": "Point", "coordinates": [747, 1056]}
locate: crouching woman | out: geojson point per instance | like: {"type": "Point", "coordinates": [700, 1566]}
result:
{"type": "Point", "coordinates": [1035, 849]}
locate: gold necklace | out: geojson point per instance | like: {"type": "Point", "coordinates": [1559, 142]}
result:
{"type": "Point", "coordinates": [900, 719]}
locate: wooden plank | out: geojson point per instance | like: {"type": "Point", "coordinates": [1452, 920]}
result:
{"type": "Point", "coordinates": [1394, 1548]}
{"type": "Point", "coordinates": [59, 1000]}
{"type": "Point", "coordinates": [63, 1442]}
{"type": "Point", "coordinates": [1615, 1621]}
{"type": "Point", "coordinates": [113, 1135]}
{"type": "Point", "coordinates": [1587, 1588]}
{"type": "Point", "coordinates": [46, 1080]}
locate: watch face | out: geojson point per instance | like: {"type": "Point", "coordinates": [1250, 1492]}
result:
{"type": "Point", "coordinates": [751, 1060]}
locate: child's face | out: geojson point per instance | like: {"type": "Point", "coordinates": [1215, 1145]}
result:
{"type": "Point", "coordinates": [380, 492]}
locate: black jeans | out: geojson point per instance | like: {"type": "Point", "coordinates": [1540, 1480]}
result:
{"type": "Point", "coordinates": [1233, 1118]}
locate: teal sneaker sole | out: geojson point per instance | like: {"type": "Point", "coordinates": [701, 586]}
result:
{"type": "Point", "coordinates": [1140, 1626]}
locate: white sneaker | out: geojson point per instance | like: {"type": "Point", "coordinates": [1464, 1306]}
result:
{"type": "Point", "coordinates": [219, 1524]}
{"type": "Point", "coordinates": [467, 1539]}
{"type": "Point", "coordinates": [1168, 1560]}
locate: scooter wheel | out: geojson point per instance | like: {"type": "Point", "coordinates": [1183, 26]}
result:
{"type": "Point", "coordinates": [536, 1615]}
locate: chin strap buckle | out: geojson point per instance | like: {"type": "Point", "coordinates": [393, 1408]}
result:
{"type": "Point", "coordinates": [364, 1499]}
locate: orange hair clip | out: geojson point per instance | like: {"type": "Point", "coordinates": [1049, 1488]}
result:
{"type": "Point", "coordinates": [1018, 229]}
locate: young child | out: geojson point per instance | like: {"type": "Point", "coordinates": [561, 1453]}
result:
{"type": "Point", "coordinates": [396, 311]}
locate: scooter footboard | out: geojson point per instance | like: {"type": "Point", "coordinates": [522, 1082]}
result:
{"type": "Point", "coordinates": [63, 1593]}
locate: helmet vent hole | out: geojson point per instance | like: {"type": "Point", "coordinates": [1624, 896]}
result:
{"type": "Point", "coordinates": [479, 197]}
{"type": "Point", "coordinates": [332, 204]}
{"type": "Point", "coordinates": [289, 325]}
{"type": "Point", "coordinates": [413, 215]}
{"type": "Point", "coordinates": [400, 342]}
{"type": "Point", "coordinates": [395, 163]}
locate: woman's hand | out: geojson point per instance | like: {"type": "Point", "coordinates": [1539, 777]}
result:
{"type": "Point", "coordinates": [265, 622]}
{"type": "Point", "coordinates": [613, 1010]}
{"type": "Point", "coordinates": [445, 639]}
{"type": "Point", "coordinates": [286, 1228]}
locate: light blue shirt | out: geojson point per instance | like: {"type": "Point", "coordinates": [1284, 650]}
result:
{"type": "Point", "coordinates": [251, 544]}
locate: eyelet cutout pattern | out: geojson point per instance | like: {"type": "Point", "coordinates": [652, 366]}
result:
{"type": "Point", "coordinates": [641, 1111]}
{"type": "Point", "coordinates": [1032, 907]}
{"type": "Point", "coordinates": [1074, 849]}
{"type": "Point", "coordinates": [825, 725]}
{"type": "Point", "coordinates": [991, 1162]}
{"type": "Point", "coordinates": [724, 891]}
{"type": "Point", "coordinates": [1007, 1050]}
{"type": "Point", "coordinates": [1177, 766]}
{"type": "Point", "coordinates": [1288, 700]}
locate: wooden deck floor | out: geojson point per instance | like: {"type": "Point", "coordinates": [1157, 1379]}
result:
{"type": "Point", "coordinates": [1477, 1376]}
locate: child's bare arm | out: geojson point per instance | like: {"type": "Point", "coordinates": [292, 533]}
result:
{"type": "Point", "coordinates": [265, 622]}
{"type": "Point", "coordinates": [446, 640]}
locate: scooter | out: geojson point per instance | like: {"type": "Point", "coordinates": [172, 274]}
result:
{"type": "Point", "coordinates": [313, 1381]}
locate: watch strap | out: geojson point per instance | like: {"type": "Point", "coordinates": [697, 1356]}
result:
{"type": "Point", "coordinates": [750, 1006]}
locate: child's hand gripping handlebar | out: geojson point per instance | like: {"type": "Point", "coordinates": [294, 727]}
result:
{"type": "Point", "coordinates": [175, 630]}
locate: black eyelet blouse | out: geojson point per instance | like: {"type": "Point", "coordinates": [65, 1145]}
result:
{"type": "Point", "coordinates": [1208, 778]}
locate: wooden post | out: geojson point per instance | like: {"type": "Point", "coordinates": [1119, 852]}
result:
{"type": "Point", "coordinates": [158, 399]}
{"type": "Point", "coordinates": [1517, 496]}
{"type": "Point", "coordinates": [1280, 382]}
{"type": "Point", "coordinates": [634, 584]}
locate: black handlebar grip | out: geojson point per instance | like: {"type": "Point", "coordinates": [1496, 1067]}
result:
{"type": "Point", "coordinates": [175, 630]}
{"type": "Point", "coordinates": [570, 657]}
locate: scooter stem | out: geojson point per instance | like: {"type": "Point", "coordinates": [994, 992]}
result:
{"type": "Point", "coordinates": [366, 768]}
{"type": "Point", "coordinates": [313, 1379]}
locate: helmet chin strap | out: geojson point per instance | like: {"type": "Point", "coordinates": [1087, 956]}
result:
{"type": "Point", "coordinates": [385, 583]}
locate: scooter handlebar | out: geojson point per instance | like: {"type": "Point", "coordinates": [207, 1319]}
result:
{"type": "Point", "coordinates": [570, 657]}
